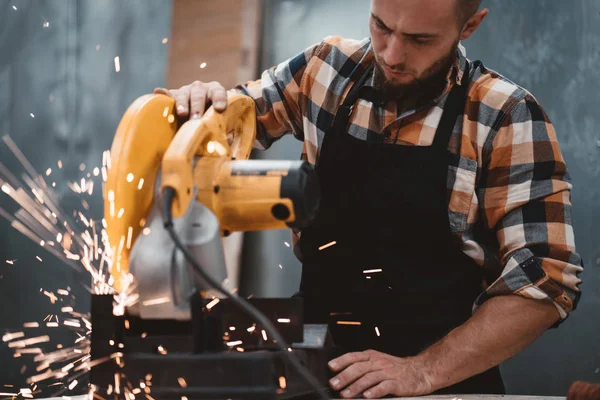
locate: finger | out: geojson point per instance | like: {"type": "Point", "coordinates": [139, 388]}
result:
{"type": "Point", "coordinates": [162, 91]}
{"type": "Point", "coordinates": [351, 374]}
{"type": "Point", "coordinates": [218, 95]}
{"type": "Point", "coordinates": [197, 99]}
{"type": "Point", "coordinates": [365, 382]}
{"type": "Point", "coordinates": [382, 389]}
{"type": "Point", "coordinates": [338, 364]}
{"type": "Point", "coordinates": [182, 100]}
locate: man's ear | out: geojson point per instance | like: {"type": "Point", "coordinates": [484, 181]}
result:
{"type": "Point", "coordinates": [473, 23]}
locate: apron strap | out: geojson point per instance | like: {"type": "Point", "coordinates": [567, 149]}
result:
{"type": "Point", "coordinates": [455, 105]}
{"type": "Point", "coordinates": [344, 111]}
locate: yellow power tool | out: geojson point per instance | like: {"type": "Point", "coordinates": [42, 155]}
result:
{"type": "Point", "coordinates": [217, 191]}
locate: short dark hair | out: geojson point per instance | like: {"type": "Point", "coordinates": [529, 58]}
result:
{"type": "Point", "coordinates": [466, 9]}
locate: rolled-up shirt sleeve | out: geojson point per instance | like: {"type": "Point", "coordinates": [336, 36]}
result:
{"type": "Point", "coordinates": [525, 194]}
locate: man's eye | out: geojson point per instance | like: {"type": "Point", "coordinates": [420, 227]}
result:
{"type": "Point", "coordinates": [381, 26]}
{"type": "Point", "coordinates": [420, 41]}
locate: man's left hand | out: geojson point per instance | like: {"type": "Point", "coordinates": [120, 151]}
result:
{"type": "Point", "coordinates": [374, 375]}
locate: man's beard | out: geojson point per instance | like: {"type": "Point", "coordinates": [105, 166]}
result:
{"type": "Point", "coordinates": [426, 87]}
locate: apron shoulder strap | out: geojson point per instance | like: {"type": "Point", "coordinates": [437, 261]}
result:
{"type": "Point", "coordinates": [345, 109]}
{"type": "Point", "coordinates": [455, 105]}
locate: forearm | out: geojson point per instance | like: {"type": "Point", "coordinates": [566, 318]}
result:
{"type": "Point", "coordinates": [501, 328]}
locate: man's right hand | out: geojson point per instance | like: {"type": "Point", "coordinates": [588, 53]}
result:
{"type": "Point", "coordinates": [193, 99]}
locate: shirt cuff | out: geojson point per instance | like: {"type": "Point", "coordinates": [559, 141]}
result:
{"type": "Point", "coordinates": [524, 276]}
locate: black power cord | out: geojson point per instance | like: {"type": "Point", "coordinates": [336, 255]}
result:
{"type": "Point", "coordinates": [168, 195]}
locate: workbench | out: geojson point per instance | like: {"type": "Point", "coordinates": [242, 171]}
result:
{"type": "Point", "coordinates": [444, 397]}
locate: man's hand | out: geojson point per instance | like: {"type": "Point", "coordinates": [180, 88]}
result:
{"type": "Point", "coordinates": [192, 100]}
{"type": "Point", "coordinates": [373, 375]}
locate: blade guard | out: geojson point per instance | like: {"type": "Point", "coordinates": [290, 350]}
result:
{"type": "Point", "coordinates": [163, 277]}
{"type": "Point", "coordinates": [141, 140]}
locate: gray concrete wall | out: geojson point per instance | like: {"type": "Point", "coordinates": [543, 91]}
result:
{"type": "Point", "coordinates": [551, 48]}
{"type": "Point", "coordinates": [64, 74]}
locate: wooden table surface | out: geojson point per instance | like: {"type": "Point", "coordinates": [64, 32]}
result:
{"type": "Point", "coordinates": [438, 397]}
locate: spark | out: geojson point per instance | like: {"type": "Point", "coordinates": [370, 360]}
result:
{"type": "Point", "coordinates": [121, 212]}
{"type": "Point", "coordinates": [371, 271]}
{"type": "Point", "coordinates": [232, 328]}
{"type": "Point", "coordinates": [73, 384]}
{"type": "Point", "coordinates": [348, 323]}
{"type": "Point", "coordinates": [10, 336]}
{"type": "Point", "coordinates": [117, 64]}
{"type": "Point", "coordinates": [287, 244]}
{"type": "Point", "coordinates": [46, 24]}
{"type": "Point", "coordinates": [154, 302]}
{"type": "Point", "coordinates": [141, 183]}
{"type": "Point", "coordinates": [280, 266]}
{"type": "Point", "coordinates": [251, 329]}
{"type": "Point", "coordinates": [212, 303]}
{"type": "Point", "coordinates": [234, 343]}
{"type": "Point", "coordinates": [73, 323]}
{"type": "Point", "coordinates": [203, 65]}
{"type": "Point", "coordinates": [32, 116]}
{"type": "Point", "coordinates": [282, 383]}
{"type": "Point", "coordinates": [327, 245]}
{"type": "Point", "coordinates": [264, 334]}
{"type": "Point", "coordinates": [51, 296]}
{"type": "Point", "coordinates": [31, 325]}
{"type": "Point", "coordinates": [38, 257]}
{"type": "Point", "coordinates": [171, 118]}
{"type": "Point", "coordinates": [129, 234]}
{"type": "Point", "coordinates": [59, 164]}
{"type": "Point", "coordinates": [161, 350]}
{"type": "Point", "coordinates": [28, 342]}
{"type": "Point", "coordinates": [182, 382]}
{"type": "Point", "coordinates": [165, 40]}
{"type": "Point", "coordinates": [146, 231]}
{"type": "Point", "coordinates": [48, 171]}
{"type": "Point", "coordinates": [377, 331]}
{"type": "Point", "coordinates": [130, 177]}
{"type": "Point", "coordinates": [11, 262]}
{"type": "Point", "coordinates": [96, 171]}
{"type": "Point", "coordinates": [283, 320]}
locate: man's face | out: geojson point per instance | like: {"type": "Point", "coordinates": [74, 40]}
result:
{"type": "Point", "coordinates": [414, 41]}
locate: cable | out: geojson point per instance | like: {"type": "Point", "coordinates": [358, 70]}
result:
{"type": "Point", "coordinates": [168, 195]}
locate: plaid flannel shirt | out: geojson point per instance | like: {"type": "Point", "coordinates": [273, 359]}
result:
{"type": "Point", "coordinates": [508, 187]}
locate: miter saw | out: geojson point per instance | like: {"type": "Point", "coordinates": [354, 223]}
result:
{"type": "Point", "coordinates": [172, 191]}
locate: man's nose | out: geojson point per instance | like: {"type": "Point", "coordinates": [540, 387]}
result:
{"type": "Point", "coordinates": [395, 52]}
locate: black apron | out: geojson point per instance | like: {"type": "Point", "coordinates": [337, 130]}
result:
{"type": "Point", "coordinates": [384, 210]}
